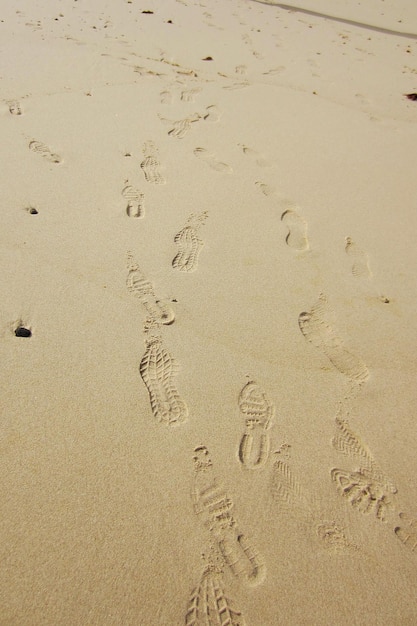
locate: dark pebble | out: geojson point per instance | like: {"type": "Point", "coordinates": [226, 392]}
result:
{"type": "Point", "coordinates": [21, 331]}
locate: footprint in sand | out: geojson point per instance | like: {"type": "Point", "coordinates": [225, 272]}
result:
{"type": "Point", "coordinates": [209, 605]}
{"type": "Point", "coordinates": [151, 165]}
{"type": "Point", "coordinates": [360, 262]}
{"type": "Point", "coordinates": [189, 95]}
{"type": "Point", "coordinates": [139, 286]}
{"type": "Point", "coordinates": [259, 158]}
{"type": "Point", "coordinates": [407, 532]}
{"type": "Point", "coordinates": [367, 489]}
{"type": "Point", "coordinates": [44, 151]}
{"type": "Point", "coordinates": [215, 508]}
{"type": "Point", "coordinates": [181, 127]}
{"type": "Point", "coordinates": [166, 97]}
{"type": "Point", "coordinates": [212, 114]}
{"type": "Point", "coordinates": [317, 331]}
{"type": "Point", "coordinates": [294, 502]}
{"type": "Point", "coordinates": [211, 160]}
{"type": "Point", "coordinates": [297, 230]}
{"type": "Point", "coordinates": [259, 412]}
{"type": "Point", "coordinates": [14, 107]}
{"type": "Point", "coordinates": [135, 201]}
{"type": "Point", "coordinates": [267, 190]}
{"type": "Point", "coordinates": [158, 369]}
{"type": "Point", "coordinates": [189, 244]}
{"type": "Point", "coordinates": [241, 69]}
{"type": "Point", "coordinates": [234, 86]}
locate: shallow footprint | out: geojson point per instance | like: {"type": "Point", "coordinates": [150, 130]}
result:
{"type": "Point", "coordinates": [139, 286]}
{"type": "Point", "coordinates": [255, 155]}
{"type": "Point", "coordinates": [189, 95]}
{"type": "Point", "coordinates": [267, 190]}
{"type": "Point", "coordinates": [297, 230]}
{"type": "Point", "coordinates": [14, 107]}
{"type": "Point", "coordinates": [43, 150]}
{"type": "Point", "coordinates": [360, 262]}
{"type": "Point", "coordinates": [135, 201]}
{"type": "Point", "coordinates": [317, 331]}
{"type": "Point", "coordinates": [212, 114]}
{"type": "Point", "coordinates": [210, 159]}
{"type": "Point", "coordinates": [407, 532]}
{"type": "Point", "coordinates": [151, 165]}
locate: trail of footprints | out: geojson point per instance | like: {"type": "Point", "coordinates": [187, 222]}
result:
{"type": "Point", "coordinates": [365, 488]}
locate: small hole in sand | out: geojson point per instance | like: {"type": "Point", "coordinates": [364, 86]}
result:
{"type": "Point", "coordinates": [33, 211]}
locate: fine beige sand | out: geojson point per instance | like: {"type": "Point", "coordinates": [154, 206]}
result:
{"type": "Point", "coordinates": [209, 233]}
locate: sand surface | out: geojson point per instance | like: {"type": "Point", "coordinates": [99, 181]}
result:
{"type": "Point", "coordinates": [208, 230]}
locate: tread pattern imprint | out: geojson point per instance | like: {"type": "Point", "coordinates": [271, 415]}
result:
{"type": "Point", "coordinates": [367, 489]}
{"type": "Point", "coordinates": [294, 502]}
{"type": "Point", "coordinates": [189, 244]}
{"type": "Point", "coordinates": [255, 444]}
{"type": "Point", "coordinates": [215, 509]}
{"type": "Point", "coordinates": [157, 368]}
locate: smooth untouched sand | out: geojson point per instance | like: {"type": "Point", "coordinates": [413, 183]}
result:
{"type": "Point", "coordinates": [208, 229]}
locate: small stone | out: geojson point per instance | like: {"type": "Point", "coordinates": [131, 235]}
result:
{"type": "Point", "coordinates": [21, 331]}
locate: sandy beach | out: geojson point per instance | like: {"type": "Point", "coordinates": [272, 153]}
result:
{"type": "Point", "coordinates": [208, 313]}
